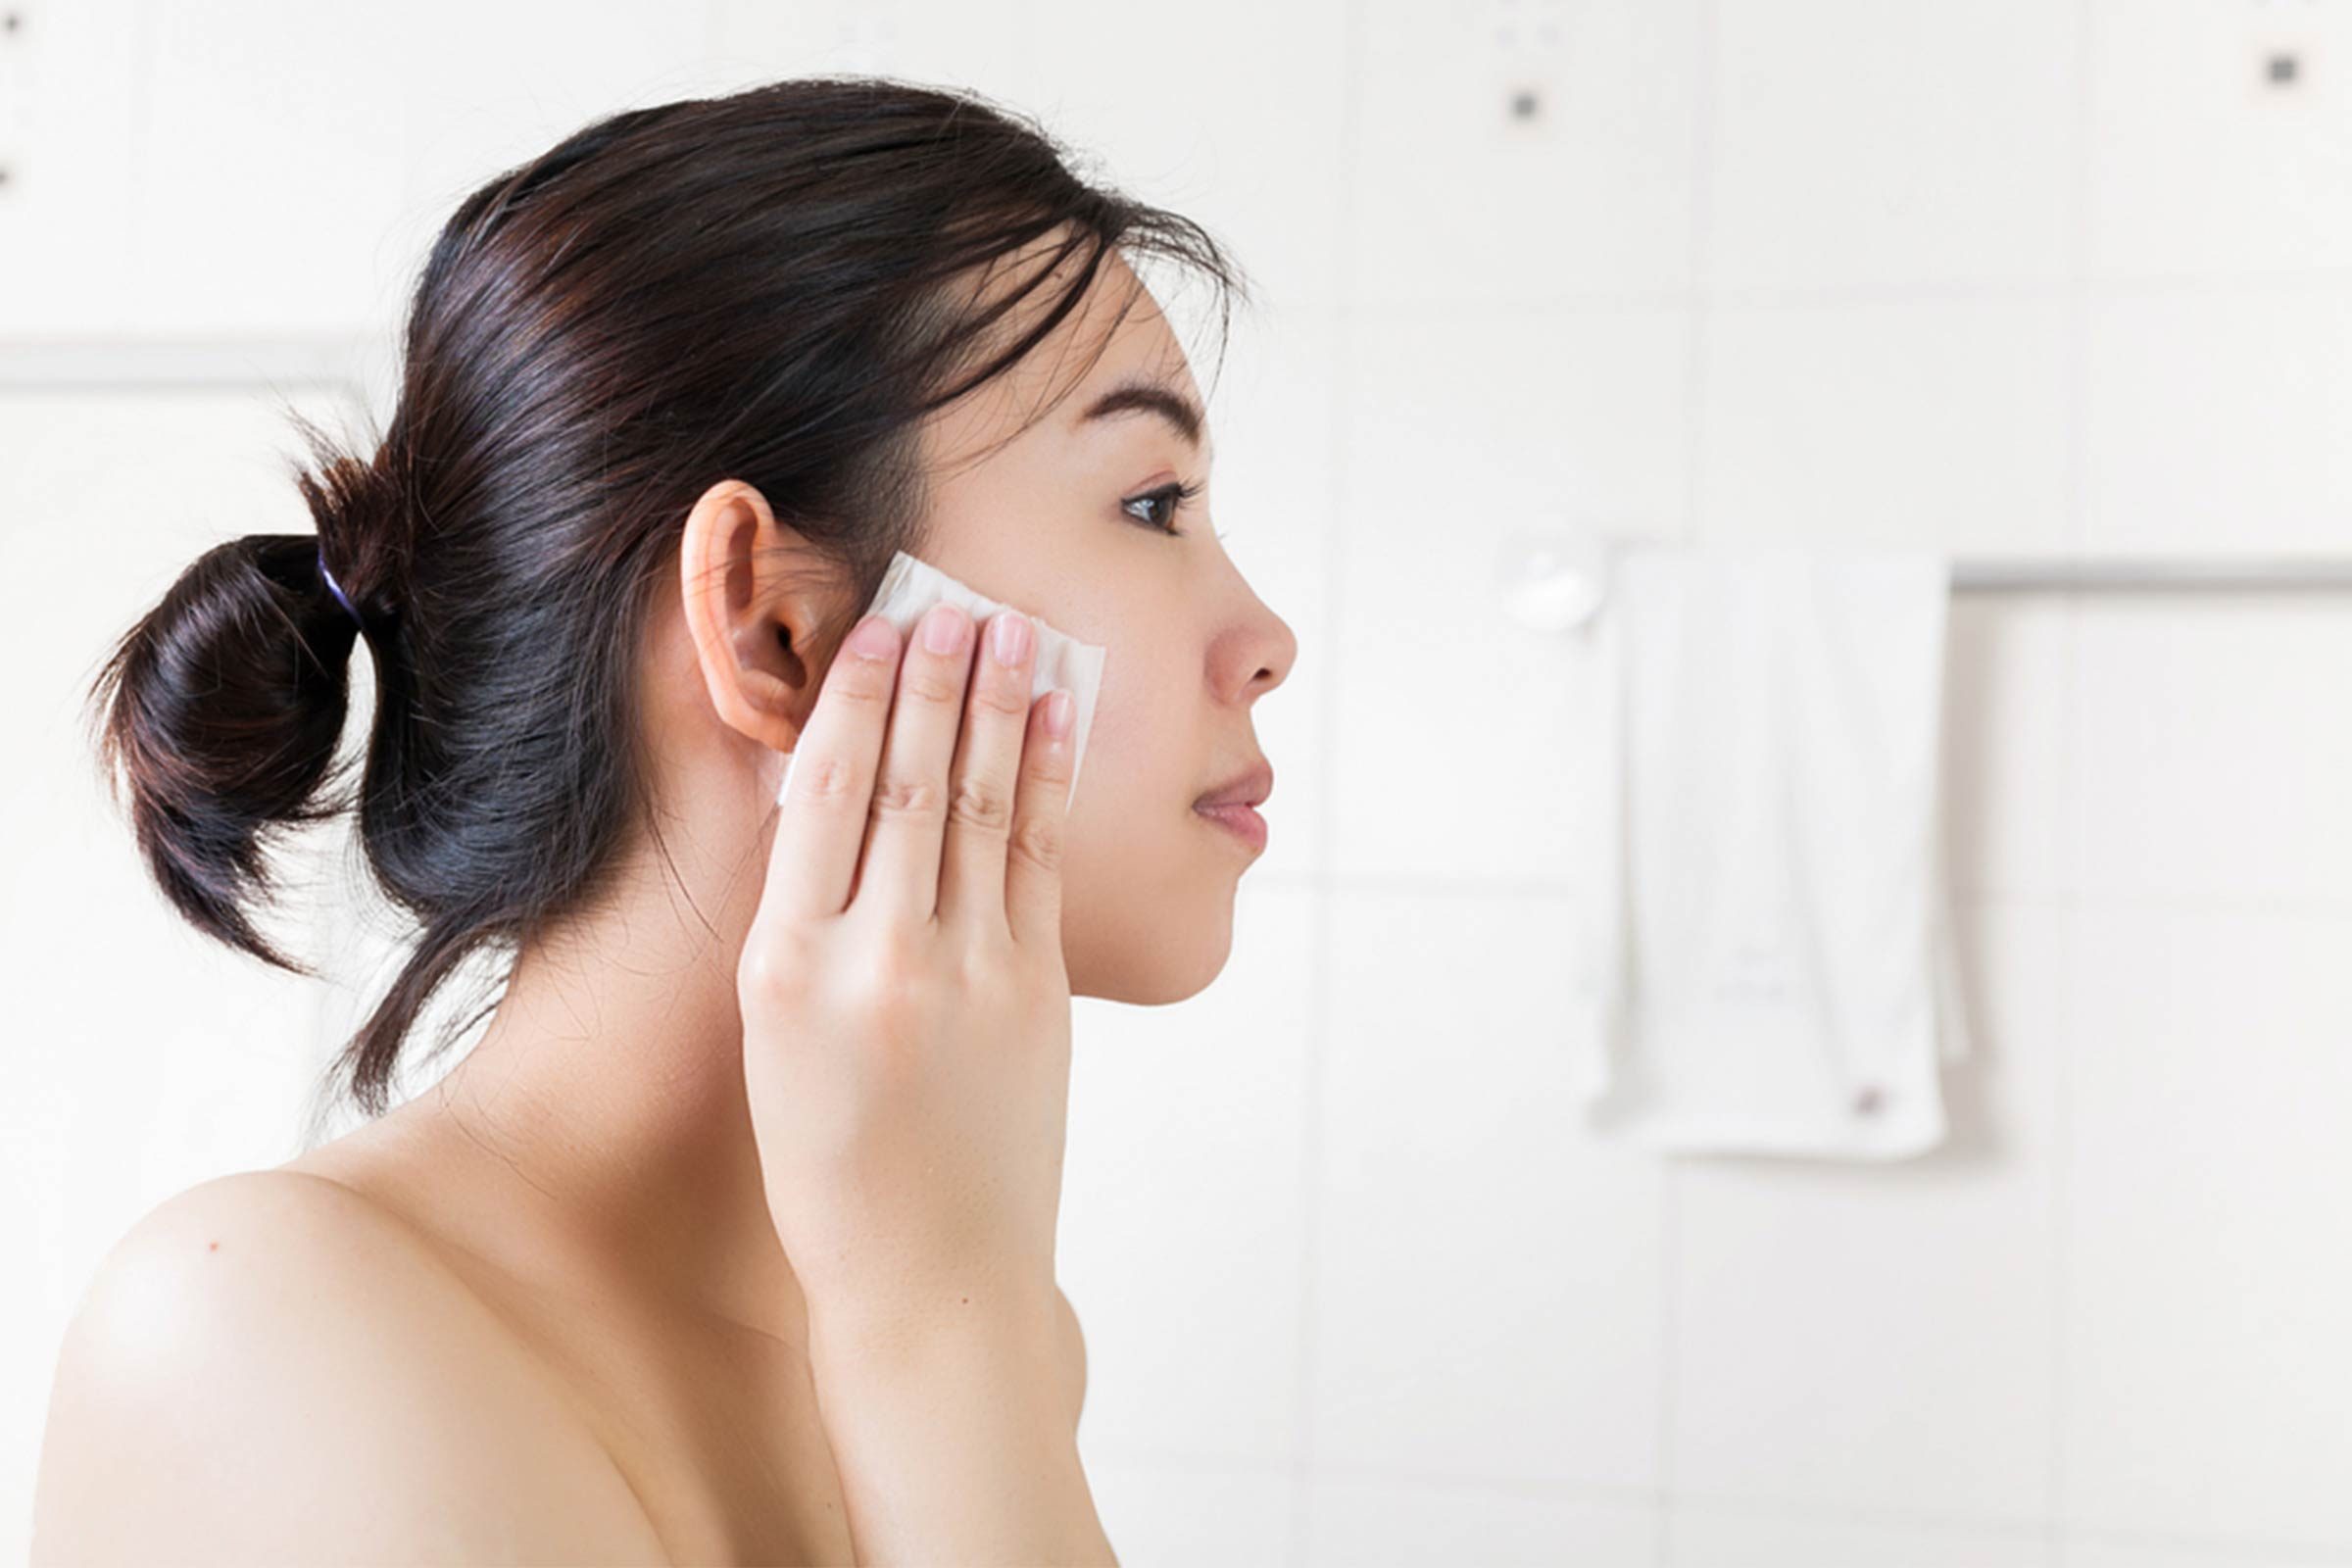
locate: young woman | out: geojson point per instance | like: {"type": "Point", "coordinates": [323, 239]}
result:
{"type": "Point", "coordinates": [732, 1237]}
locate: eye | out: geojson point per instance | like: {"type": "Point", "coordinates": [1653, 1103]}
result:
{"type": "Point", "coordinates": [1173, 497]}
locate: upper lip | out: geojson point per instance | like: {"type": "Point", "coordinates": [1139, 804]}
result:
{"type": "Point", "coordinates": [1251, 789]}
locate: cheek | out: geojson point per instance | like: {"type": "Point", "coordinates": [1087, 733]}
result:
{"type": "Point", "coordinates": [1141, 745]}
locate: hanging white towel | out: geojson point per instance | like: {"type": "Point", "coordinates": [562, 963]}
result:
{"type": "Point", "coordinates": [1765, 958]}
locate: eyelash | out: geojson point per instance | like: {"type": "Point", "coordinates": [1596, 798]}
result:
{"type": "Point", "coordinates": [1177, 494]}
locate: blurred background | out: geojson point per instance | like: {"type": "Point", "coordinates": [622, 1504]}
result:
{"type": "Point", "coordinates": [2014, 276]}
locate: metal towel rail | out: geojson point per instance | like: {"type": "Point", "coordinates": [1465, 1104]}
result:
{"type": "Point", "coordinates": [2157, 574]}
{"type": "Point", "coordinates": [1557, 578]}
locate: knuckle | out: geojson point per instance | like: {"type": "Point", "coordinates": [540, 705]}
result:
{"type": "Point", "coordinates": [864, 685]}
{"type": "Point", "coordinates": [1048, 763]}
{"type": "Point", "coordinates": [898, 968]}
{"type": "Point", "coordinates": [773, 969]}
{"type": "Point", "coordinates": [980, 803]}
{"type": "Point", "coordinates": [825, 778]}
{"type": "Point", "coordinates": [929, 684]}
{"type": "Point", "coordinates": [917, 799]}
{"type": "Point", "coordinates": [901, 978]}
{"type": "Point", "coordinates": [1038, 841]}
{"type": "Point", "coordinates": [988, 973]}
{"type": "Point", "coordinates": [1008, 695]}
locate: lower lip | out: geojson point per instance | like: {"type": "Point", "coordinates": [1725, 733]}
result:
{"type": "Point", "coordinates": [1240, 820]}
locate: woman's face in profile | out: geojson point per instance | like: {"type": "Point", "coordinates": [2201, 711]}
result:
{"type": "Point", "coordinates": [1063, 522]}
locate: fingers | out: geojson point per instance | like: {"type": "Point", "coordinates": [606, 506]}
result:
{"type": "Point", "coordinates": [904, 842]}
{"type": "Point", "coordinates": [872, 816]}
{"type": "Point", "coordinates": [988, 765]}
{"type": "Point", "coordinates": [1041, 809]}
{"type": "Point", "coordinates": [820, 830]}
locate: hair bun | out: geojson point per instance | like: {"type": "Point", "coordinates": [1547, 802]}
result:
{"type": "Point", "coordinates": [204, 739]}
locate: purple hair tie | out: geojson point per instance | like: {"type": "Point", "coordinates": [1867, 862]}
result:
{"type": "Point", "coordinates": [336, 590]}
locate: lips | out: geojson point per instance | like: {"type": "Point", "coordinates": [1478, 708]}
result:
{"type": "Point", "coordinates": [1251, 789]}
{"type": "Point", "coordinates": [1239, 820]}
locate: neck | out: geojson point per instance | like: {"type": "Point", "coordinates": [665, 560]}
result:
{"type": "Point", "coordinates": [609, 1086]}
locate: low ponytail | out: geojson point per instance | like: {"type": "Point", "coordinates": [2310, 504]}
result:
{"type": "Point", "coordinates": [220, 709]}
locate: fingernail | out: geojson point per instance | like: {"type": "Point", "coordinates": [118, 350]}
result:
{"type": "Point", "coordinates": [872, 638]}
{"type": "Point", "coordinates": [943, 628]}
{"type": "Point", "coordinates": [1059, 709]}
{"type": "Point", "coordinates": [1011, 636]}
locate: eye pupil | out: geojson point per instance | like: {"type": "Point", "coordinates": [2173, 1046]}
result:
{"type": "Point", "coordinates": [1171, 497]}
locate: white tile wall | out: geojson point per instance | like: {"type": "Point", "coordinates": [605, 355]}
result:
{"type": "Point", "coordinates": [2011, 276]}
{"type": "Point", "coordinates": [1354, 1519]}
{"type": "Point", "coordinates": [1169, 1515]}
{"type": "Point", "coordinates": [244, 228]}
{"type": "Point", "coordinates": [2007, 745]}
{"type": "Point", "coordinates": [2216, 750]}
{"type": "Point", "coordinates": [1489, 1290]}
{"type": "Point", "coordinates": [70, 241]}
{"type": "Point", "coordinates": [1715, 1537]}
{"type": "Point", "coordinates": [2204, 1369]}
{"type": "Point", "coordinates": [1455, 200]}
{"type": "Point", "coordinates": [1895, 1326]}
{"type": "Point", "coordinates": [1459, 429]}
{"type": "Point", "coordinates": [1183, 1219]}
{"type": "Point", "coordinates": [1924, 424]}
{"type": "Point", "coordinates": [2199, 167]}
{"type": "Point", "coordinates": [2144, 1553]}
{"type": "Point", "coordinates": [2214, 418]}
{"type": "Point", "coordinates": [1857, 144]}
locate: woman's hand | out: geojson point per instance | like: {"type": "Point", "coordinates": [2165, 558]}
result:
{"type": "Point", "coordinates": [906, 1007]}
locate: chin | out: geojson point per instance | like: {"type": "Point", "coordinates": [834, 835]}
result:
{"type": "Point", "coordinates": [1158, 967]}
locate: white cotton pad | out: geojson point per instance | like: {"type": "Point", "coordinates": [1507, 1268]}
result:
{"type": "Point", "coordinates": [911, 587]}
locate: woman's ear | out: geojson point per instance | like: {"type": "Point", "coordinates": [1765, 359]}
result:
{"type": "Point", "coordinates": [756, 597]}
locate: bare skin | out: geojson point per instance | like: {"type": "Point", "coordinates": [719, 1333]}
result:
{"type": "Point", "coordinates": [578, 1203]}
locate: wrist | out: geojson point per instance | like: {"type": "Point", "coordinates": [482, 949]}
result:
{"type": "Point", "coordinates": [1015, 1327]}
{"type": "Point", "coordinates": [951, 1424]}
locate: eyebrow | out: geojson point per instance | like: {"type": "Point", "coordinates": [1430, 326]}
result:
{"type": "Point", "coordinates": [1181, 412]}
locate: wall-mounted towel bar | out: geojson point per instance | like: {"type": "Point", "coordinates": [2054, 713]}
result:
{"type": "Point", "coordinates": [2155, 573]}
{"type": "Point", "coordinates": [1554, 577]}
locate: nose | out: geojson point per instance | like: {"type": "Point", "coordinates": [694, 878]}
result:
{"type": "Point", "coordinates": [1276, 648]}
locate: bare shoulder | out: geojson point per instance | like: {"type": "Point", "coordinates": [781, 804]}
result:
{"type": "Point", "coordinates": [270, 1366]}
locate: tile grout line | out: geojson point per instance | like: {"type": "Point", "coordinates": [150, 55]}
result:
{"type": "Point", "coordinates": [1965, 896]}
{"type": "Point", "coordinates": [77, 361]}
{"type": "Point", "coordinates": [2077, 335]}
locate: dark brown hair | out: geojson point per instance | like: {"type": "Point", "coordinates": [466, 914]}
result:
{"type": "Point", "coordinates": [755, 286]}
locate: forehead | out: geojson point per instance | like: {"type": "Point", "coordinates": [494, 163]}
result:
{"type": "Point", "coordinates": [1113, 361]}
